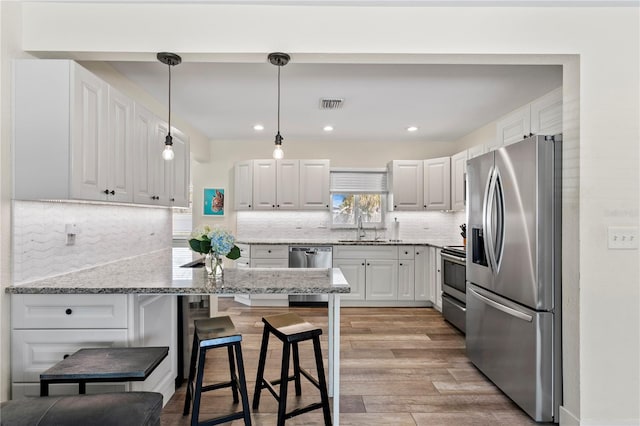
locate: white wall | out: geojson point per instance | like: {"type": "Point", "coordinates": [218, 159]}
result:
{"type": "Point", "coordinates": [600, 87]}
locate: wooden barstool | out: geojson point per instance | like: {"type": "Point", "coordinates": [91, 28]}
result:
{"type": "Point", "coordinates": [291, 329]}
{"type": "Point", "coordinates": [215, 333]}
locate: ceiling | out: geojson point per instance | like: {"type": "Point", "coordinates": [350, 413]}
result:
{"type": "Point", "coordinates": [225, 100]}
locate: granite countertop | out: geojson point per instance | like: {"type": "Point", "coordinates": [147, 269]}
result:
{"type": "Point", "coordinates": [366, 242]}
{"type": "Point", "coordinates": [158, 273]}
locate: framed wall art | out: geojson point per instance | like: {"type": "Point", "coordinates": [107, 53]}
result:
{"type": "Point", "coordinates": [213, 202]}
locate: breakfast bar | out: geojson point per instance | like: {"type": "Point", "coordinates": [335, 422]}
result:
{"type": "Point", "coordinates": [157, 274]}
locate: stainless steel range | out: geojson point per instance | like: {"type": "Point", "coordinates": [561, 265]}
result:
{"type": "Point", "coordinates": [454, 285]}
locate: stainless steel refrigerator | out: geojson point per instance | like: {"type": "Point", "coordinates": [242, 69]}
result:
{"type": "Point", "coordinates": [514, 272]}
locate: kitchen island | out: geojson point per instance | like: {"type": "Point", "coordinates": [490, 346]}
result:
{"type": "Point", "coordinates": [156, 274]}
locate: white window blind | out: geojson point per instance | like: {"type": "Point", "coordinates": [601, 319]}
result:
{"type": "Point", "coordinates": [361, 182]}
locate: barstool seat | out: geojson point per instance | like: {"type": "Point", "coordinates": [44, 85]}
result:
{"type": "Point", "coordinates": [209, 334]}
{"type": "Point", "coordinates": [291, 329]}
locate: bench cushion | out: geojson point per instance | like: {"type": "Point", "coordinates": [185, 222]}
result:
{"type": "Point", "coordinates": [110, 409]}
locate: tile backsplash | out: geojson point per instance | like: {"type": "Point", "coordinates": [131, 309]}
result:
{"type": "Point", "coordinates": [104, 233]}
{"type": "Point", "coordinates": [435, 227]}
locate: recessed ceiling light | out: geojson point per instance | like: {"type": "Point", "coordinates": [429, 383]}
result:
{"type": "Point", "coordinates": [412, 129]}
{"type": "Point", "coordinates": [258, 127]}
{"type": "Point", "coordinates": [328, 128]}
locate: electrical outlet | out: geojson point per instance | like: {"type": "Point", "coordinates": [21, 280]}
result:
{"type": "Point", "coordinates": [623, 237]}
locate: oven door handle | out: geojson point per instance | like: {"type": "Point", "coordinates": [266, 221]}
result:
{"type": "Point", "coordinates": [454, 259]}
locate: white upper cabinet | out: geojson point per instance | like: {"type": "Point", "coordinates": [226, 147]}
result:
{"type": "Point", "coordinates": [546, 114]}
{"type": "Point", "coordinates": [314, 184]}
{"type": "Point", "coordinates": [120, 147]}
{"type": "Point", "coordinates": [264, 184]}
{"type": "Point", "coordinates": [287, 184]}
{"type": "Point", "coordinates": [243, 191]}
{"type": "Point", "coordinates": [180, 170]}
{"type": "Point", "coordinates": [437, 183]}
{"type": "Point", "coordinates": [476, 151]}
{"type": "Point", "coordinates": [281, 184]}
{"type": "Point", "coordinates": [458, 180]}
{"type": "Point", "coordinates": [76, 137]}
{"type": "Point", "coordinates": [542, 116]}
{"type": "Point", "coordinates": [406, 184]}
{"type": "Point", "coordinates": [513, 127]}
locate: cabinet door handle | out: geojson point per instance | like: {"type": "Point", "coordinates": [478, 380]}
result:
{"type": "Point", "coordinates": [68, 311]}
{"type": "Point", "coordinates": [112, 192]}
{"type": "Point", "coordinates": [65, 356]}
{"type": "Point", "coordinates": [106, 191]}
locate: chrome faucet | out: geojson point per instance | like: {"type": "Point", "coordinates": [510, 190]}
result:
{"type": "Point", "coordinates": [360, 231]}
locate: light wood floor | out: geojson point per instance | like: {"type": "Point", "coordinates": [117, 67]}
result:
{"type": "Point", "coordinates": [400, 366]}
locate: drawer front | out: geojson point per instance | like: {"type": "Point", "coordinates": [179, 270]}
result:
{"type": "Point", "coordinates": [34, 351]}
{"type": "Point", "coordinates": [365, 252]}
{"type": "Point", "coordinates": [243, 262]}
{"type": "Point", "coordinates": [245, 249]}
{"type": "Point", "coordinates": [269, 251]}
{"type": "Point", "coordinates": [31, 390]}
{"type": "Point", "coordinates": [269, 263]}
{"type": "Point", "coordinates": [69, 311]}
{"type": "Point", "coordinates": [406, 252]}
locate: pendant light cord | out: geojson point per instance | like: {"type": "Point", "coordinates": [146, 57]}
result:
{"type": "Point", "coordinates": [279, 66]}
{"type": "Point", "coordinates": [169, 125]}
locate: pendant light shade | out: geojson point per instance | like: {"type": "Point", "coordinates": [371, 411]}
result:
{"type": "Point", "coordinates": [278, 59]}
{"type": "Point", "coordinates": [170, 59]}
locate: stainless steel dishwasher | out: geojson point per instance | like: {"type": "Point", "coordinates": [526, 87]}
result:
{"type": "Point", "coordinates": [310, 257]}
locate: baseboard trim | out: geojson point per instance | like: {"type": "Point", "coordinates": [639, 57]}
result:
{"type": "Point", "coordinates": [567, 418]}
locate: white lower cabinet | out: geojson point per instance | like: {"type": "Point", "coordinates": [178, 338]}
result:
{"type": "Point", "coordinates": [381, 279]}
{"type": "Point", "coordinates": [263, 256]}
{"type": "Point", "coordinates": [354, 272]}
{"type": "Point", "coordinates": [47, 328]}
{"type": "Point", "coordinates": [384, 275]}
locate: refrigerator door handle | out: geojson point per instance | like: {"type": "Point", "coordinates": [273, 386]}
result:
{"type": "Point", "coordinates": [487, 211]}
{"type": "Point", "coordinates": [499, 245]}
{"type": "Point", "coordinates": [507, 310]}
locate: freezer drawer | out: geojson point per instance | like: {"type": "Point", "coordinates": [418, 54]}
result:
{"type": "Point", "coordinates": [513, 347]}
{"type": "Point", "coordinates": [454, 311]}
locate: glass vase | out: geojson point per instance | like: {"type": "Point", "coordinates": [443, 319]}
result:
{"type": "Point", "coordinates": [213, 264]}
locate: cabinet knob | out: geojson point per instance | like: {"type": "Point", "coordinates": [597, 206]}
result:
{"type": "Point", "coordinates": [425, 206]}
{"type": "Point", "coordinates": [106, 191]}
{"type": "Point", "coordinates": [268, 251]}
{"type": "Point", "coordinates": [273, 206]}
{"type": "Point", "coordinates": [249, 205]}
{"type": "Point", "coordinates": [417, 253]}
{"type": "Point", "coordinates": [68, 311]}
{"type": "Point", "coordinates": [406, 252]}
{"type": "Point", "coordinates": [278, 205]}
{"type": "Point", "coordinates": [173, 199]}
{"type": "Point", "coordinates": [112, 192]}
{"type": "Point", "coordinates": [362, 263]}
{"type": "Point", "coordinates": [327, 205]}
{"type": "Point", "coordinates": [401, 264]}
{"type": "Point", "coordinates": [395, 206]}
{"type": "Point", "coordinates": [368, 264]}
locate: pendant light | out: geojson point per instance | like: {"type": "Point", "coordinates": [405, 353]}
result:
{"type": "Point", "coordinates": [170, 59]}
{"type": "Point", "coordinates": [278, 59]}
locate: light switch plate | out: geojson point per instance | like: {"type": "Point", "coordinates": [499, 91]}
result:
{"type": "Point", "coordinates": [623, 237]}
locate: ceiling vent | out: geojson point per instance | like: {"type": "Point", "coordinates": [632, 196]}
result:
{"type": "Point", "coordinates": [331, 103]}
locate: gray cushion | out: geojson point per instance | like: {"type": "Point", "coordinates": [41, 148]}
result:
{"type": "Point", "coordinates": [111, 409]}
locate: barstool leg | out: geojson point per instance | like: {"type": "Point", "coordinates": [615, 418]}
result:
{"type": "Point", "coordinates": [296, 368]}
{"type": "Point", "coordinates": [243, 386]}
{"type": "Point", "coordinates": [322, 381]}
{"type": "Point", "coordinates": [261, 363]}
{"type": "Point", "coordinates": [284, 383]}
{"type": "Point", "coordinates": [192, 372]}
{"type": "Point", "coordinates": [232, 374]}
{"type": "Point", "coordinates": [198, 388]}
